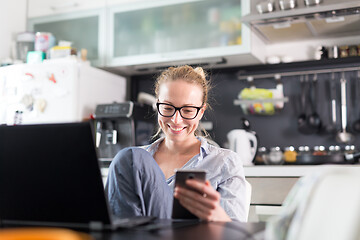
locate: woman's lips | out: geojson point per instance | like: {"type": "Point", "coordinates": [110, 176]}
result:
{"type": "Point", "coordinates": [176, 129]}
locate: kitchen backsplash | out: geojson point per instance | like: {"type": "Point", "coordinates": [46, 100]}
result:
{"type": "Point", "coordinates": [281, 128]}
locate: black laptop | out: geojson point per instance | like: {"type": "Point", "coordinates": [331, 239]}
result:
{"type": "Point", "coordinates": [50, 176]}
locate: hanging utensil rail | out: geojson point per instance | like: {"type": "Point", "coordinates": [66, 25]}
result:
{"type": "Point", "coordinates": [295, 73]}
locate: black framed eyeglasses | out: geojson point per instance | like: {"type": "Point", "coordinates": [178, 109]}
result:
{"type": "Point", "coordinates": [186, 112]}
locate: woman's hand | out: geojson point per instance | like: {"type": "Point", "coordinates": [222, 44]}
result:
{"type": "Point", "coordinates": [205, 206]}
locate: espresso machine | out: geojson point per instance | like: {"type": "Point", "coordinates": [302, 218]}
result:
{"type": "Point", "coordinates": [121, 125]}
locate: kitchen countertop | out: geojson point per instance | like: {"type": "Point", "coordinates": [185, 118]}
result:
{"type": "Point", "coordinates": [280, 170]}
{"type": "Point", "coordinates": [291, 170]}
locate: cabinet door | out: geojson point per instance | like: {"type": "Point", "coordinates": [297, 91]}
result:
{"type": "Point", "coordinates": [159, 31]}
{"type": "Point", "coordinates": [39, 8]}
{"type": "Point", "coordinates": [83, 29]}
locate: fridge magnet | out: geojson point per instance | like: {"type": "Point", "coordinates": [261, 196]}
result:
{"type": "Point", "coordinates": [29, 75]}
{"type": "Point", "coordinates": [40, 105]}
{"type": "Point", "coordinates": [52, 78]}
{"type": "Point", "coordinates": [28, 102]}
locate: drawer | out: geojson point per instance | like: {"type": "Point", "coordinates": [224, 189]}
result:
{"type": "Point", "coordinates": [270, 190]}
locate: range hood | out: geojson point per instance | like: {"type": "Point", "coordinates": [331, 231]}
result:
{"type": "Point", "coordinates": [327, 20]}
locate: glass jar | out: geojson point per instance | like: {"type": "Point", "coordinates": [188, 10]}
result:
{"type": "Point", "coordinates": [303, 150]}
{"type": "Point", "coordinates": [261, 156]}
{"type": "Point", "coordinates": [275, 156]}
{"type": "Point", "coordinates": [349, 149]}
{"type": "Point", "coordinates": [334, 149]}
{"type": "Point", "coordinates": [290, 154]}
{"type": "Point", "coordinates": [319, 151]}
{"type": "Point", "coordinates": [344, 51]}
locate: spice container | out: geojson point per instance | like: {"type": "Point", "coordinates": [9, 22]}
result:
{"type": "Point", "coordinates": [304, 150]}
{"type": "Point", "coordinates": [353, 51]}
{"type": "Point", "coordinates": [261, 156]}
{"type": "Point", "coordinates": [349, 149]}
{"type": "Point", "coordinates": [290, 154]}
{"type": "Point", "coordinates": [275, 156]}
{"type": "Point", "coordinates": [334, 150]}
{"type": "Point", "coordinates": [319, 151]}
{"type": "Point", "coordinates": [344, 51]}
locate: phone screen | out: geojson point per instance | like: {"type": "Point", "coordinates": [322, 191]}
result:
{"type": "Point", "coordinates": [179, 212]}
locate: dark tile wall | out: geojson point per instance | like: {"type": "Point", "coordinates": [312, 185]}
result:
{"type": "Point", "coordinates": [280, 129]}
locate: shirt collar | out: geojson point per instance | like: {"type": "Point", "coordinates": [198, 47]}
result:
{"type": "Point", "coordinates": [204, 147]}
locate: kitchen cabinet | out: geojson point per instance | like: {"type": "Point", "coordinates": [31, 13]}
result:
{"type": "Point", "coordinates": [271, 184]}
{"type": "Point", "coordinates": [85, 29]}
{"type": "Point", "coordinates": [40, 8]}
{"type": "Point", "coordinates": [160, 33]}
{"type": "Point", "coordinates": [147, 35]}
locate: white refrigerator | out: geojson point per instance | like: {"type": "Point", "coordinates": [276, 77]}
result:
{"type": "Point", "coordinates": [59, 90]}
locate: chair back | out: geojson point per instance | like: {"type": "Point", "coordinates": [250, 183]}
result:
{"type": "Point", "coordinates": [248, 198]}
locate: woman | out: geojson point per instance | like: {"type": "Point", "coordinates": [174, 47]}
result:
{"type": "Point", "coordinates": [141, 179]}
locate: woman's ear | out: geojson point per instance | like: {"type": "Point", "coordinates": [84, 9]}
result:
{"type": "Point", "coordinates": [202, 111]}
{"type": "Point", "coordinates": [204, 108]}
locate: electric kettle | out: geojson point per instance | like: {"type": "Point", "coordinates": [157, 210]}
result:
{"type": "Point", "coordinates": [243, 143]}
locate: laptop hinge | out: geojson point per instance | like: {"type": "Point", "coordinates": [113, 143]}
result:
{"type": "Point", "coordinates": [96, 226]}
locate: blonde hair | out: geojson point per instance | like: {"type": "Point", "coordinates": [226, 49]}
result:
{"type": "Point", "coordinates": [190, 75]}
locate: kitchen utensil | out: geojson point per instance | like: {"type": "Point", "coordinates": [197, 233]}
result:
{"type": "Point", "coordinates": [356, 124]}
{"type": "Point", "coordinates": [265, 6]}
{"type": "Point", "coordinates": [302, 122]}
{"type": "Point", "coordinates": [287, 4]}
{"type": "Point", "coordinates": [302, 117]}
{"type": "Point", "coordinates": [312, 2]}
{"type": "Point", "coordinates": [332, 127]}
{"type": "Point", "coordinates": [343, 136]}
{"type": "Point", "coordinates": [313, 120]}
{"type": "Point", "coordinates": [243, 143]}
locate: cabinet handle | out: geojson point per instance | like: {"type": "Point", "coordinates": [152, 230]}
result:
{"type": "Point", "coordinates": [64, 6]}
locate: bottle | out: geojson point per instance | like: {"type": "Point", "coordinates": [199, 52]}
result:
{"type": "Point", "coordinates": [290, 154]}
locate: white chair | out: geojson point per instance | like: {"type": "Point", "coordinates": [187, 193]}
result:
{"type": "Point", "coordinates": [248, 198]}
{"type": "Point", "coordinates": [323, 205]}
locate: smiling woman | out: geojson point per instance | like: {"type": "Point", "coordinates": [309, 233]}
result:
{"type": "Point", "coordinates": [141, 179]}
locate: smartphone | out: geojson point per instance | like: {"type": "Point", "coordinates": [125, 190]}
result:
{"type": "Point", "coordinates": [178, 211]}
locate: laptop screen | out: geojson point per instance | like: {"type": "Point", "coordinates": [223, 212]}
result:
{"type": "Point", "coordinates": [49, 174]}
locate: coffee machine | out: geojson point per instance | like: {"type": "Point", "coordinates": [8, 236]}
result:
{"type": "Point", "coordinates": [121, 125]}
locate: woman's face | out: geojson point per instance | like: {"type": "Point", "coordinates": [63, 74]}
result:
{"type": "Point", "coordinates": [180, 93]}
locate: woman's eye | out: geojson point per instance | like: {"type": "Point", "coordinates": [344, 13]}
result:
{"type": "Point", "coordinates": [189, 110]}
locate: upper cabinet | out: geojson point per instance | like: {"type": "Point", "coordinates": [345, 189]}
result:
{"type": "Point", "coordinates": [40, 8]}
{"type": "Point", "coordinates": [85, 29]}
{"type": "Point", "coordinates": [161, 33]}
{"type": "Point", "coordinates": [328, 19]}
{"type": "Point", "coordinates": [138, 35]}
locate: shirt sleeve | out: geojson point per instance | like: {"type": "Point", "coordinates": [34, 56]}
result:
{"type": "Point", "coordinates": [233, 188]}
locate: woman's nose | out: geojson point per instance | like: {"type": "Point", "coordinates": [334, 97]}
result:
{"type": "Point", "coordinates": [177, 117]}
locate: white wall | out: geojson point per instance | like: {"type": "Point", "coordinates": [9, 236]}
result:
{"type": "Point", "coordinates": [12, 21]}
